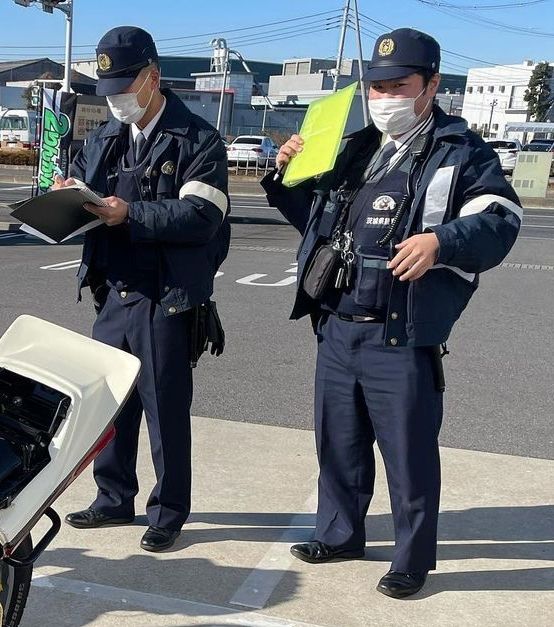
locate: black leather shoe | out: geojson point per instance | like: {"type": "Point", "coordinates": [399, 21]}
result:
{"type": "Point", "coordinates": [400, 585]}
{"type": "Point", "coordinates": [158, 539]}
{"type": "Point", "coordinates": [90, 519]}
{"type": "Point", "coordinates": [316, 552]}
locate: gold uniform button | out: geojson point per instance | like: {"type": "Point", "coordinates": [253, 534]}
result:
{"type": "Point", "coordinates": [172, 310]}
{"type": "Point", "coordinates": [123, 294]}
{"type": "Point", "coordinates": [394, 315]}
{"type": "Point", "coordinates": [393, 341]}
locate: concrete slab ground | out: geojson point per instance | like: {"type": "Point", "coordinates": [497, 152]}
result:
{"type": "Point", "coordinates": [253, 496]}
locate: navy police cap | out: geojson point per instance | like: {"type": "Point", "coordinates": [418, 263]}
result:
{"type": "Point", "coordinates": [121, 54]}
{"type": "Point", "coordinates": [402, 52]}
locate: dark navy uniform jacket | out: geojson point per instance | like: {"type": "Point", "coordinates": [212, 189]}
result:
{"type": "Point", "coordinates": [461, 195]}
{"type": "Point", "coordinates": [186, 214]}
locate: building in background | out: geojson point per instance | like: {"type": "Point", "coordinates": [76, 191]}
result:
{"type": "Point", "coordinates": [494, 98]}
{"type": "Point", "coordinates": [24, 73]}
{"type": "Point", "coordinates": [291, 86]}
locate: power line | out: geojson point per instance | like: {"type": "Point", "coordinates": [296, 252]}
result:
{"type": "Point", "coordinates": [479, 7]}
{"type": "Point", "coordinates": [481, 21]}
{"type": "Point", "coordinates": [321, 24]}
{"type": "Point", "coordinates": [336, 12]}
{"type": "Point", "coordinates": [265, 40]}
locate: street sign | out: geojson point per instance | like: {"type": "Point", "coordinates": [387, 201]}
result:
{"type": "Point", "coordinates": [87, 118]}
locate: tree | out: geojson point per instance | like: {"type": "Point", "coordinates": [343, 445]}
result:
{"type": "Point", "coordinates": [538, 92]}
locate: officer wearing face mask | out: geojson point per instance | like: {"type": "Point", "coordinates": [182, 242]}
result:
{"type": "Point", "coordinates": [150, 267]}
{"type": "Point", "coordinates": [394, 240]}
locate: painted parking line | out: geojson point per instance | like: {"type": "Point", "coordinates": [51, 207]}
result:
{"type": "Point", "coordinates": [14, 189]}
{"type": "Point", "coordinates": [128, 599]}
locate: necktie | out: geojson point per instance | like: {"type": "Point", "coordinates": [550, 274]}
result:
{"type": "Point", "coordinates": [139, 143]}
{"type": "Point", "coordinates": [379, 165]}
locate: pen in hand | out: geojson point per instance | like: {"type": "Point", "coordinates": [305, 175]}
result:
{"type": "Point", "coordinates": [279, 174]}
{"type": "Point", "coordinates": [287, 151]}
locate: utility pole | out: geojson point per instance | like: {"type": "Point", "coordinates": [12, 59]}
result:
{"type": "Point", "coordinates": [345, 16]}
{"type": "Point", "coordinates": [493, 105]}
{"type": "Point", "coordinates": [365, 106]}
{"type": "Point", "coordinates": [66, 7]}
{"type": "Point", "coordinates": [220, 63]}
{"type": "Point", "coordinates": [68, 10]}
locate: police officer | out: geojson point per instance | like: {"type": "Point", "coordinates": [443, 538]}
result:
{"type": "Point", "coordinates": [164, 233]}
{"type": "Point", "coordinates": [394, 239]}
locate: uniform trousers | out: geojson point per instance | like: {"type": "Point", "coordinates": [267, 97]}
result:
{"type": "Point", "coordinates": [164, 393]}
{"type": "Point", "coordinates": [366, 393]}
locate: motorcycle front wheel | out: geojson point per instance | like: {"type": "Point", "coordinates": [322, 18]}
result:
{"type": "Point", "coordinates": [14, 586]}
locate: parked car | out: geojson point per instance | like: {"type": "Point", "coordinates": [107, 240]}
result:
{"type": "Point", "coordinates": [540, 145]}
{"type": "Point", "coordinates": [507, 150]}
{"type": "Point", "coordinates": [252, 150]}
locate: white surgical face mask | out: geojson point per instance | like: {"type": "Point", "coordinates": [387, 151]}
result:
{"type": "Point", "coordinates": [126, 108]}
{"type": "Point", "coordinates": [395, 116]}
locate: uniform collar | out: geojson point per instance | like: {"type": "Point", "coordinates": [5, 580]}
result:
{"type": "Point", "coordinates": [147, 130]}
{"type": "Point", "coordinates": [407, 139]}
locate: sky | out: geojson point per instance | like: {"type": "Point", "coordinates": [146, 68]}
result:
{"type": "Point", "coordinates": [290, 28]}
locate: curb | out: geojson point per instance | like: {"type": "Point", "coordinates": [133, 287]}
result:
{"type": "Point", "coordinates": [25, 168]}
{"type": "Point", "coordinates": [16, 181]}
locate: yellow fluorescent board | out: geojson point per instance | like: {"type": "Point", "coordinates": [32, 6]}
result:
{"type": "Point", "coordinates": [322, 131]}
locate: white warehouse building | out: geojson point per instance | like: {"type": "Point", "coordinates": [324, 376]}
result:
{"type": "Point", "coordinates": [494, 96]}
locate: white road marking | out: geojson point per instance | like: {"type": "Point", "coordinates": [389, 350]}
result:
{"type": "Point", "coordinates": [64, 265]}
{"type": "Point", "coordinates": [248, 207]}
{"type": "Point", "coordinates": [251, 278]}
{"type": "Point", "coordinates": [158, 603]}
{"type": "Point", "coordinates": [262, 581]}
{"type": "Point", "coordinates": [13, 189]}
{"type": "Point", "coordinates": [7, 236]}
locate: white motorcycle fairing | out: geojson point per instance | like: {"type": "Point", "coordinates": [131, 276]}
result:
{"type": "Point", "coordinates": [96, 378]}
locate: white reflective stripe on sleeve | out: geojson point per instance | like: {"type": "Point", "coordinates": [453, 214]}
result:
{"type": "Point", "coordinates": [465, 275]}
{"type": "Point", "coordinates": [205, 191]}
{"type": "Point", "coordinates": [436, 197]}
{"type": "Point", "coordinates": [479, 204]}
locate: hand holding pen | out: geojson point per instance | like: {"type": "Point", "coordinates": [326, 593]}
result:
{"type": "Point", "coordinates": [287, 151]}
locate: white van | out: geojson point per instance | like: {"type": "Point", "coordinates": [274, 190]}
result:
{"type": "Point", "coordinates": [18, 128]}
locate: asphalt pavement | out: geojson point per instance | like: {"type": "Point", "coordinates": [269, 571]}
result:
{"type": "Point", "coordinates": [255, 469]}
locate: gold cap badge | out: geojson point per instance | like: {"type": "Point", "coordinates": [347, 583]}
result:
{"type": "Point", "coordinates": [104, 62]}
{"type": "Point", "coordinates": [386, 47]}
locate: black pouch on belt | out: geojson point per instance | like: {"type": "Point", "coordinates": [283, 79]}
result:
{"type": "Point", "coordinates": [322, 271]}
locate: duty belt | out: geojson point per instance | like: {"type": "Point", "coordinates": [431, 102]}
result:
{"type": "Point", "coordinates": [356, 318]}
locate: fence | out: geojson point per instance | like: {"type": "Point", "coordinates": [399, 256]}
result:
{"type": "Point", "coordinates": [244, 163]}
